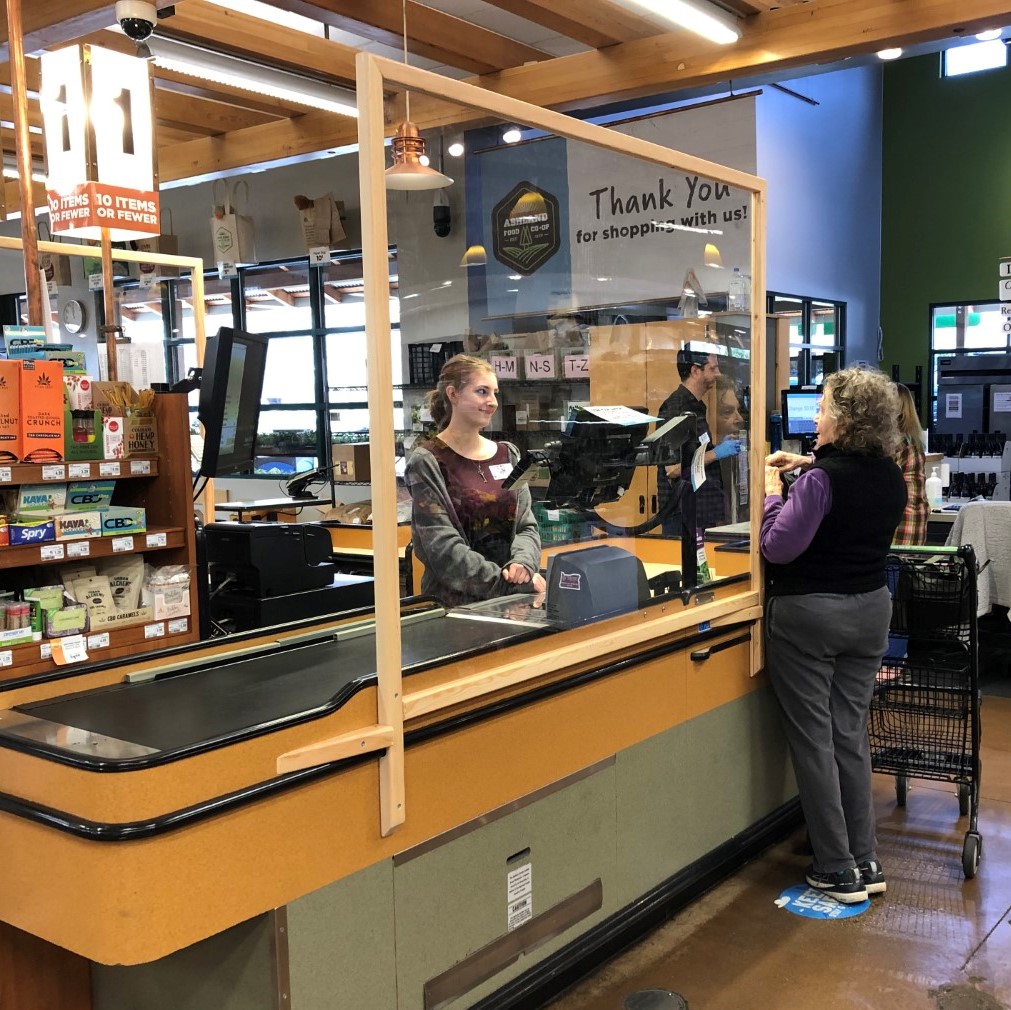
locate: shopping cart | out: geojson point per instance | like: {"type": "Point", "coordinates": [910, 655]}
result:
{"type": "Point", "coordinates": [924, 716]}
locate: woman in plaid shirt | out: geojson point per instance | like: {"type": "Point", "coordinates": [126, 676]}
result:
{"type": "Point", "coordinates": [912, 531]}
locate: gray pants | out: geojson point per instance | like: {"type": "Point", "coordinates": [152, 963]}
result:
{"type": "Point", "coordinates": [823, 652]}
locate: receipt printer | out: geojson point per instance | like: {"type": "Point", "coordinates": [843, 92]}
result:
{"type": "Point", "coordinates": [593, 583]}
{"type": "Point", "coordinates": [269, 559]}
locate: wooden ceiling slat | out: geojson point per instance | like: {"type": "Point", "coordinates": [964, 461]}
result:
{"type": "Point", "coordinates": [431, 33]}
{"type": "Point", "coordinates": [596, 23]}
{"type": "Point", "coordinates": [55, 22]}
{"type": "Point", "coordinates": [204, 117]}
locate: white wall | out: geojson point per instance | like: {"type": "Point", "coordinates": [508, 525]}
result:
{"type": "Point", "coordinates": [823, 167]}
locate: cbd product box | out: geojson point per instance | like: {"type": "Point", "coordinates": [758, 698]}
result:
{"type": "Point", "coordinates": [73, 361]}
{"type": "Point", "coordinates": [88, 495]}
{"type": "Point", "coordinates": [42, 411]}
{"type": "Point", "coordinates": [75, 525]}
{"type": "Point", "coordinates": [43, 500]}
{"type": "Point", "coordinates": [10, 411]}
{"type": "Point", "coordinates": [82, 435]}
{"type": "Point", "coordinates": [351, 461]}
{"type": "Point", "coordinates": [121, 521]}
{"type": "Point", "coordinates": [24, 530]}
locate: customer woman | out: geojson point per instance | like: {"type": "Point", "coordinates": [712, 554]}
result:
{"type": "Point", "coordinates": [475, 538]}
{"type": "Point", "coordinates": [912, 531]}
{"type": "Point", "coordinates": [827, 616]}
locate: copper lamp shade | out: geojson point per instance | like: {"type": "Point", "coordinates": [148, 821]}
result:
{"type": "Point", "coordinates": [407, 172]}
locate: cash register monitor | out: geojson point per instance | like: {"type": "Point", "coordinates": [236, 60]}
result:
{"type": "Point", "coordinates": [799, 406]}
{"type": "Point", "coordinates": [230, 391]}
{"type": "Point", "coordinates": [596, 460]}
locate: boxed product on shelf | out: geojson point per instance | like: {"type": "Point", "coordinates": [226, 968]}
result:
{"type": "Point", "coordinates": [42, 411]}
{"type": "Point", "coordinates": [72, 361]}
{"type": "Point", "coordinates": [351, 461]}
{"type": "Point", "coordinates": [25, 530]}
{"type": "Point", "coordinates": [10, 411]}
{"type": "Point", "coordinates": [42, 599]}
{"type": "Point", "coordinates": [121, 520]}
{"type": "Point", "coordinates": [112, 437]}
{"type": "Point", "coordinates": [5, 533]}
{"type": "Point", "coordinates": [135, 412]}
{"type": "Point", "coordinates": [82, 435]}
{"type": "Point", "coordinates": [36, 499]}
{"type": "Point", "coordinates": [75, 525]}
{"type": "Point", "coordinates": [86, 495]}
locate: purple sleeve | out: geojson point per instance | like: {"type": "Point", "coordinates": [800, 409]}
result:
{"type": "Point", "coordinates": [788, 527]}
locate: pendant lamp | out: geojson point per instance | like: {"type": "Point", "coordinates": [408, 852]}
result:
{"type": "Point", "coordinates": [407, 171]}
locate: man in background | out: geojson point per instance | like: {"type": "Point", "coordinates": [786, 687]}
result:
{"type": "Point", "coordinates": [698, 372]}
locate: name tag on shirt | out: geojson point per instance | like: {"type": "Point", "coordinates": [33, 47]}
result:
{"type": "Point", "coordinates": [500, 471]}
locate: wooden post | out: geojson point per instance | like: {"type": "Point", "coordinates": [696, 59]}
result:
{"type": "Point", "coordinates": [111, 329]}
{"type": "Point", "coordinates": [22, 144]}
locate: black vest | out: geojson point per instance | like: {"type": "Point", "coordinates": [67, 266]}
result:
{"type": "Point", "coordinates": [847, 554]}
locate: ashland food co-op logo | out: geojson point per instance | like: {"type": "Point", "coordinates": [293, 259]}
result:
{"type": "Point", "coordinates": [525, 228]}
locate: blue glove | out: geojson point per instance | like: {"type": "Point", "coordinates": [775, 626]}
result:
{"type": "Point", "coordinates": [728, 447]}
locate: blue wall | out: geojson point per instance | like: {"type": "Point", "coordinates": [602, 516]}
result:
{"type": "Point", "coordinates": [823, 167]}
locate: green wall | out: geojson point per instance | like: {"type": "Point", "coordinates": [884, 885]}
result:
{"type": "Point", "coordinates": [946, 201]}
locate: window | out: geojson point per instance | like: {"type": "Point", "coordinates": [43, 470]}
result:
{"type": "Point", "coordinates": [974, 57]}
{"type": "Point", "coordinates": [816, 335]}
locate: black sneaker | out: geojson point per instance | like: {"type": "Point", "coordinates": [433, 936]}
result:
{"type": "Point", "coordinates": [873, 876]}
{"type": "Point", "coordinates": [846, 886]}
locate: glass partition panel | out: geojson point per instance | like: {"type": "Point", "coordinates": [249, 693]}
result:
{"type": "Point", "coordinates": [590, 313]}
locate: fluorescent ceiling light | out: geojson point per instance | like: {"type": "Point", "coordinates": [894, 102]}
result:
{"type": "Point", "coordinates": [990, 36]}
{"type": "Point", "coordinates": [889, 54]}
{"type": "Point", "coordinates": [699, 16]}
{"type": "Point", "coordinates": [195, 61]}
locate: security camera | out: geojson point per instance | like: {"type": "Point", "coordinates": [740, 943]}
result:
{"type": "Point", "coordinates": [137, 18]}
{"type": "Point", "coordinates": [441, 220]}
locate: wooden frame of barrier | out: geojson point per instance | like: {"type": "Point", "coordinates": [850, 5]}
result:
{"type": "Point", "coordinates": [374, 74]}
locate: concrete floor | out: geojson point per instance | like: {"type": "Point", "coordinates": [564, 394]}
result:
{"type": "Point", "coordinates": [935, 941]}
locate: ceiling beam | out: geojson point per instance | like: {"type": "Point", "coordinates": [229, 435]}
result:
{"type": "Point", "coordinates": [431, 33]}
{"type": "Point", "coordinates": [595, 23]}
{"type": "Point", "coordinates": [56, 22]}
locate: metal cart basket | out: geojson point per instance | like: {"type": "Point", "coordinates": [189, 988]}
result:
{"type": "Point", "coordinates": [924, 716]}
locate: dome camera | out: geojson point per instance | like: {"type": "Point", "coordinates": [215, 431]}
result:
{"type": "Point", "coordinates": [137, 18]}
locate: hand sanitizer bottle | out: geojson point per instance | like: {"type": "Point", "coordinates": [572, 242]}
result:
{"type": "Point", "coordinates": [933, 488]}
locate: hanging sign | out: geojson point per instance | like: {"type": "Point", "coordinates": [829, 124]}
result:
{"type": "Point", "coordinates": [99, 134]}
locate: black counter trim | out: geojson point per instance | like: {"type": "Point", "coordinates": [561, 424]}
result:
{"type": "Point", "coordinates": [96, 831]}
{"type": "Point", "coordinates": [546, 980]}
{"type": "Point", "coordinates": [535, 695]}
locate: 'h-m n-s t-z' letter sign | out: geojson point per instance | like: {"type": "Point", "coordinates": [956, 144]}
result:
{"type": "Point", "coordinates": [99, 133]}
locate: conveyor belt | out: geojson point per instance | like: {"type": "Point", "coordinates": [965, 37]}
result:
{"type": "Point", "coordinates": [184, 714]}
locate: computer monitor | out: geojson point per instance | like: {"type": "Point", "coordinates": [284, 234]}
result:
{"type": "Point", "coordinates": [595, 460]}
{"type": "Point", "coordinates": [799, 406]}
{"type": "Point", "coordinates": [231, 387]}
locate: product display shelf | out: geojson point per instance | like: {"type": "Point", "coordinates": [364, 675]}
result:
{"type": "Point", "coordinates": [61, 473]}
{"type": "Point", "coordinates": [163, 487]}
{"type": "Point", "coordinates": [56, 552]}
{"type": "Point", "coordinates": [35, 658]}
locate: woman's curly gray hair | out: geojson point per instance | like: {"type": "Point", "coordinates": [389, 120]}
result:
{"type": "Point", "coordinates": [864, 404]}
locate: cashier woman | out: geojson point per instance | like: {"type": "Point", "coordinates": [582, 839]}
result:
{"type": "Point", "coordinates": [475, 539]}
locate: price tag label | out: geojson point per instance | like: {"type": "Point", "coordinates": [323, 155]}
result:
{"type": "Point", "coordinates": [72, 649]}
{"type": "Point", "coordinates": [140, 466]}
{"type": "Point", "coordinates": [178, 626]}
{"type": "Point", "coordinates": [52, 552]}
{"type": "Point", "coordinates": [148, 279]}
{"type": "Point", "coordinates": [99, 641]}
{"type": "Point", "coordinates": [45, 651]}
{"type": "Point", "coordinates": [227, 269]}
{"type": "Point", "coordinates": [6, 657]}
{"type": "Point", "coordinates": [79, 549]}
{"type": "Point", "coordinates": [94, 282]}
{"type": "Point", "coordinates": [122, 544]}
{"type": "Point", "coordinates": [319, 255]}
{"type": "Point", "coordinates": [154, 630]}
{"type": "Point", "coordinates": [157, 540]}
{"type": "Point", "coordinates": [540, 366]}
{"type": "Point", "coordinates": [108, 469]}
{"type": "Point", "coordinates": [79, 470]}
{"type": "Point", "coordinates": [505, 366]}
{"type": "Point", "coordinates": [5, 474]}
{"type": "Point", "coordinates": [577, 366]}
{"type": "Point", "coordinates": [54, 472]}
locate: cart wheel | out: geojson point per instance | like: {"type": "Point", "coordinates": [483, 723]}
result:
{"type": "Point", "coordinates": [900, 790]}
{"type": "Point", "coordinates": [963, 799]}
{"type": "Point", "coordinates": [972, 850]}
